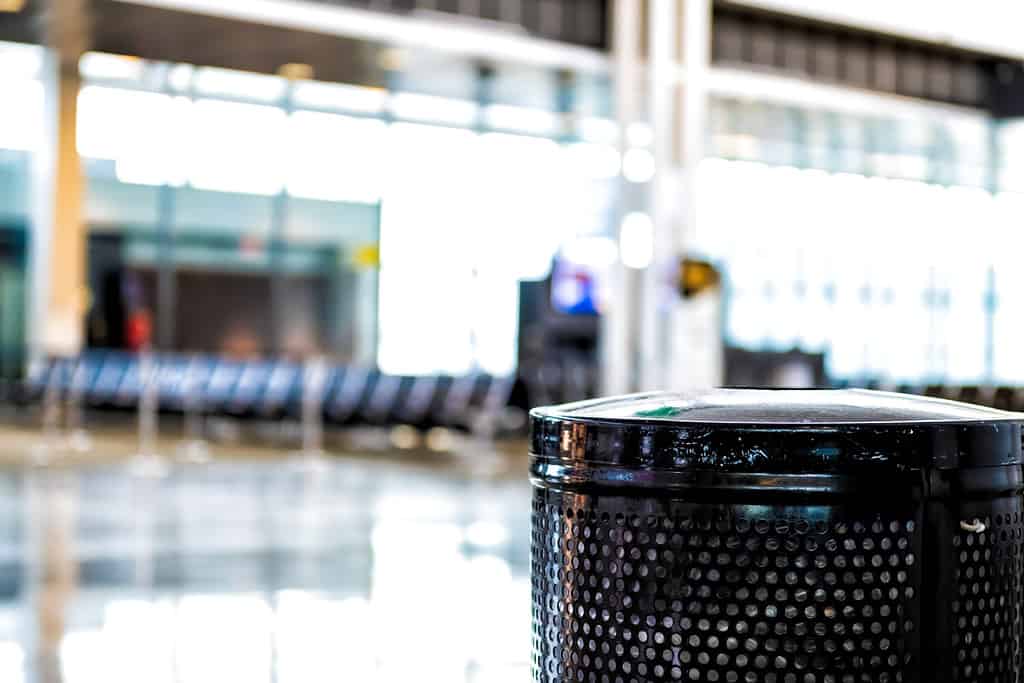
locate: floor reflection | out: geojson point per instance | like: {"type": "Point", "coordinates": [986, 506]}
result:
{"type": "Point", "coordinates": [263, 572]}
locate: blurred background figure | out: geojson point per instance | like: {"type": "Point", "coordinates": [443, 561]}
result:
{"type": "Point", "coordinates": [380, 231]}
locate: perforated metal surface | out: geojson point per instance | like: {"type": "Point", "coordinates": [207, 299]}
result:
{"type": "Point", "coordinates": [986, 606]}
{"type": "Point", "coordinates": [739, 536]}
{"type": "Point", "coordinates": [634, 589]}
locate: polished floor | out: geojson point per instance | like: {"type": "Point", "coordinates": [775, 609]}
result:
{"type": "Point", "coordinates": [263, 571]}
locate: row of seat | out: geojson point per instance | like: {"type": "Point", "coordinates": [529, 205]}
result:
{"type": "Point", "coordinates": [1002, 397]}
{"type": "Point", "coordinates": [345, 395]}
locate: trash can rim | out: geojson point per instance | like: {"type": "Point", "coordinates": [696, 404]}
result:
{"type": "Point", "coordinates": [767, 409]}
{"type": "Point", "coordinates": [793, 431]}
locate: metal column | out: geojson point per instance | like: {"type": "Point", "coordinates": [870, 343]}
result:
{"type": "Point", "coordinates": [648, 341]}
{"type": "Point", "coordinates": [656, 329]}
{"type": "Point", "coordinates": [166, 263]}
{"type": "Point", "coordinates": [619, 322]}
{"type": "Point", "coordinates": [58, 292]}
{"type": "Point", "coordinates": [695, 357]}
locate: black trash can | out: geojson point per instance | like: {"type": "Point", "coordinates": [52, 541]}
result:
{"type": "Point", "coordinates": [776, 536]}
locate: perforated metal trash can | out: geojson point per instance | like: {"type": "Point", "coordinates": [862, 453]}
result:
{"type": "Point", "coordinates": [776, 537]}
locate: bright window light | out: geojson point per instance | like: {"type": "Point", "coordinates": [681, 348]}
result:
{"type": "Point", "coordinates": [638, 165]}
{"type": "Point", "coordinates": [146, 134]}
{"type": "Point", "coordinates": [526, 120]}
{"type": "Point", "coordinates": [519, 194]}
{"type": "Point", "coordinates": [19, 61]}
{"type": "Point", "coordinates": [21, 115]}
{"type": "Point", "coordinates": [417, 107]}
{"type": "Point", "coordinates": [847, 256]}
{"type": "Point", "coordinates": [12, 662]}
{"type": "Point", "coordinates": [113, 121]}
{"type": "Point", "coordinates": [251, 86]}
{"type": "Point", "coordinates": [636, 240]}
{"type": "Point", "coordinates": [600, 162]}
{"type": "Point", "coordinates": [138, 171]}
{"type": "Point", "coordinates": [238, 147]}
{"type": "Point", "coordinates": [342, 97]}
{"type": "Point", "coordinates": [486, 534]}
{"type": "Point", "coordinates": [465, 217]}
{"type": "Point", "coordinates": [593, 252]}
{"type": "Point", "coordinates": [103, 66]}
{"type": "Point", "coordinates": [595, 129]}
{"type": "Point", "coordinates": [180, 76]}
{"type": "Point", "coordinates": [426, 254]}
{"type": "Point", "coordinates": [640, 134]}
{"type": "Point", "coordinates": [334, 157]}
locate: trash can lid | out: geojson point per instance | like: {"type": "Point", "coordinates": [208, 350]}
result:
{"type": "Point", "coordinates": [776, 430]}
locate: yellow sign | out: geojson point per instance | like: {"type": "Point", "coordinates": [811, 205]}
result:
{"type": "Point", "coordinates": [366, 256]}
{"type": "Point", "coordinates": [696, 276]}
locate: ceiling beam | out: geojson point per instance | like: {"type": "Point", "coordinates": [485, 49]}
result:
{"type": "Point", "coordinates": [463, 38]}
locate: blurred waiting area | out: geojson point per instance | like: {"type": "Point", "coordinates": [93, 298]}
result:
{"type": "Point", "coordinates": [280, 281]}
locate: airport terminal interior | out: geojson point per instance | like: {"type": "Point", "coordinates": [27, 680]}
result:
{"type": "Point", "coordinates": [280, 281]}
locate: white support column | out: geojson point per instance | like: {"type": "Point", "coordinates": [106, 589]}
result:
{"type": "Point", "coordinates": [694, 356]}
{"type": "Point", "coordinates": [695, 29]}
{"type": "Point", "coordinates": [656, 329]}
{"type": "Point", "coordinates": [58, 295]}
{"type": "Point", "coordinates": [680, 340]}
{"type": "Point", "coordinates": [619, 320]}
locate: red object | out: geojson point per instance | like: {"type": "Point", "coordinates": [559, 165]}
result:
{"type": "Point", "coordinates": [139, 330]}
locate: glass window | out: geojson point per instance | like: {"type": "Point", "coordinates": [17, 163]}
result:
{"type": "Point", "coordinates": [241, 84]}
{"type": "Point", "coordinates": [1008, 323]}
{"type": "Point", "coordinates": [339, 96]}
{"type": "Point", "coordinates": [334, 157]}
{"type": "Point", "coordinates": [426, 272]}
{"type": "Point", "coordinates": [20, 62]}
{"type": "Point", "coordinates": [114, 122]}
{"type": "Point", "coordinates": [464, 218]}
{"type": "Point", "coordinates": [237, 147]}
{"type": "Point", "coordinates": [21, 114]}
{"type": "Point", "coordinates": [522, 119]}
{"type": "Point", "coordinates": [107, 67]}
{"type": "Point", "coordinates": [416, 107]}
{"type": "Point", "coordinates": [879, 273]}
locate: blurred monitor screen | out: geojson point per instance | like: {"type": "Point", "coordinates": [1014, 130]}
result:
{"type": "Point", "coordinates": [574, 288]}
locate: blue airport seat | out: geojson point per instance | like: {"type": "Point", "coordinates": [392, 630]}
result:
{"type": "Point", "coordinates": [57, 371]}
{"type": "Point", "coordinates": [83, 372]}
{"type": "Point", "coordinates": [386, 398]}
{"type": "Point", "coordinates": [295, 406]}
{"type": "Point", "coordinates": [284, 384]}
{"type": "Point", "coordinates": [419, 400]}
{"type": "Point", "coordinates": [250, 388]}
{"type": "Point", "coordinates": [350, 392]}
{"type": "Point", "coordinates": [170, 375]}
{"type": "Point", "coordinates": [38, 373]}
{"type": "Point", "coordinates": [37, 376]}
{"type": "Point", "coordinates": [499, 391]}
{"type": "Point", "coordinates": [459, 400]}
{"type": "Point", "coordinates": [191, 387]}
{"type": "Point", "coordinates": [129, 389]}
{"type": "Point", "coordinates": [221, 385]}
{"type": "Point", "coordinates": [59, 375]}
{"type": "Point", "coordinates": [105, 387]}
